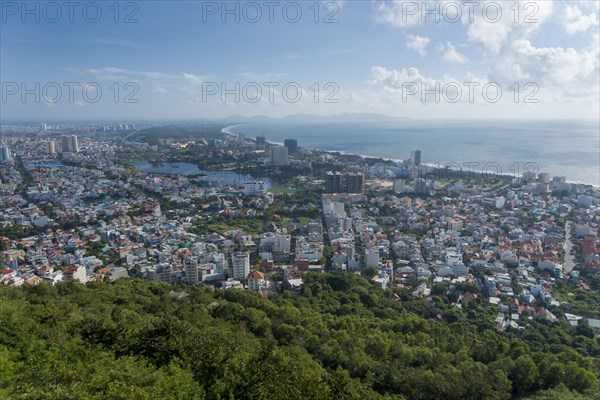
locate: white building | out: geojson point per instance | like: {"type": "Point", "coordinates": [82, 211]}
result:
{"type": "Point", "coordinates": [76, 273]}
{"type": "Point", "coordinates": [255, 187]}
{"type": "Point", "coordinates": [278, 244]}
{"type": "Point", "coordinates": [70, 143]}
{"type": "Point", "coordinates": [372, 258]}
{"type": "Point", "coordinates": [399, 185]}
{"type": "Point", "coordinates": [256, 281]}
{"type": "Point", "coordinates": [345, 223]}
{"type": "Point", "coordinates": [333, 207]}
{"type": "Point", "coordinates": [279, 155]}
{"type": "Point", "coordinates": [232, 284]}
{"type": "Point", "coordinates": [240, 266]}
{"type": "Point", "coordinates": [500, 201]}
{"type": "Point", "coordinates": [192, 275]}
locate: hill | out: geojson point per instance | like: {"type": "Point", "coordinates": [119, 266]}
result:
{"type": "Point", "coordinates": [343, 338]}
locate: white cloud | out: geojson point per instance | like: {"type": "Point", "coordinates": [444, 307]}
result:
{"type": "Point", "coordinates": [563, 72]}
{"type": "Point", "coordinates": [511, 56]}
{"type": "Point", "coordinates": [494, 36]}
{"type": "Point", "coordinates": [397, 13]}
{"type": "Point", "coordinates": [191, 83]}
{"type": "Point", "coordinates": [453, 56]}
{"type": "Point", "coordinates": [159, 90]}
{"type": "Point", "coordinates": [192, 79]}
{"type": "Point", "coordinates": [108, 74]}
{"type": "Point", "coordinates": [391, 79]}
{"type": "Point", "coordinates": [396, 85]}
{"type": "Point", "coordinates": [418, 43]}
{"type": "Point", "coordinates": [576, 21]}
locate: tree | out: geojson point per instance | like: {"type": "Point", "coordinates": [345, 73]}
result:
{"type": "Point", "coordinates": [524, 374]}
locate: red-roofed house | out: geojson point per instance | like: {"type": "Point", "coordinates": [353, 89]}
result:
{"type": "Point", "coordinates": [76, 272]}
{"type": "Point", "coordinates": [256, 280]}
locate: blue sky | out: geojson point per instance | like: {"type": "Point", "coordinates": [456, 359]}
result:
{"type": "Point", "coordinates": [374, 56]}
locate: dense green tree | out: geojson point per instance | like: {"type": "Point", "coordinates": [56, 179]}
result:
{"type": "Point", "coordinates": [343, 338]}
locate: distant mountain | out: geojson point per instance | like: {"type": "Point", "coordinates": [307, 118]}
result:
{"type": "Point", "coordinates": [240, 118]}
{"type": "Point", "coordinates": [311, 118]}
{"type": "Point", "coordinates": [345, 117]}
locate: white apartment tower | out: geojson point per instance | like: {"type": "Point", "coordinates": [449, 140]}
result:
{"type": "Point", "coordinates": [279, 155]}
{"type": "Point", "coordinates": [70, 143]}
{"type": "Point", "coordinates": [240, 265]}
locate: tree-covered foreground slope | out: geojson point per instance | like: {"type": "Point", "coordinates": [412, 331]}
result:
{"type": "Point", "coordinates": [342, 339]}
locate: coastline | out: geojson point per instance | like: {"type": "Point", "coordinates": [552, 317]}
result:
{"type": "Point", "coordinates": [227, 129]}
{"type": "Point", "coordinates": [432, 166]}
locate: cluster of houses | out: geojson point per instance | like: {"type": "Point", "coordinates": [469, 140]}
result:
{"type": "Point", "coordinates": [91, 219]}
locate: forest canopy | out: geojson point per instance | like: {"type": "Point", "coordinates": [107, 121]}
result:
{"type": "Point", "coordinates": [343, 338]}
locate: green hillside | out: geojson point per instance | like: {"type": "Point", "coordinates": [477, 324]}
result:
{"type": "Point", "coordinates": [342, 339]}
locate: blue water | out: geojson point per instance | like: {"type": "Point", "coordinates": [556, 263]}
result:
{"type": "Point", "coordinates": [183, 168]}
{"type": "Point", "coordinates": [49, 164]}
{"type": "Point", "coordinates": [562, 148]}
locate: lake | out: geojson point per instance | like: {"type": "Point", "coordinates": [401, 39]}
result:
{"type": "Point", "coordinates": [183, 168]}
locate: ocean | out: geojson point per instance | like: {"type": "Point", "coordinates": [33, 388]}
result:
{"type": "Point", "coordinates": [561, 148]}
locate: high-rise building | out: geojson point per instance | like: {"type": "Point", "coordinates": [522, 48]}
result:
{"type": "Point", "coordinates": [333, 182]}
{"type": "Point", "coordinates": [279, 155]}
{"type": "Point", "coordinates": [415, 157]}
{"type": "Point", "coordinates": [261, 143]}
{"type": "Point", "coordinates": [241, 139]}
{"type": "Point", "coordinates": [240, 265]}
{"type": "Point", "coordinates": [50, 147]}
{"type": "Point", "coordinates": [399, 185]}
{"type": "Point", "coordinates": [420, 186]}
{"type": "Point", "coordinates": [70, 143]}
{"type": "Point", "coordinates": [543, 177]}
{"type": "Point", "coordinates": [355, 183]}
{"type": "Point", "coordinates": [5, 154]}
{"type": "Point", "coordinates": [193, 276]}
{"type": "Point", "coordinates": [292, 145]}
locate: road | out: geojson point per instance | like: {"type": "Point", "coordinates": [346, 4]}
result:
{"type": "Point", "coordinates": [126, 137]}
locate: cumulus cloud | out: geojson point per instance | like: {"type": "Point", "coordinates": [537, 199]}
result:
{"type": "Point", "coordinates": [576, 21]}
{"type": "Point", "coordinates": [452, 55]}
{"type": "Point", "coordinates": [511, 55]}
{"type": "Point", "coordinates": [409, 84]}
{"type": "Point", "coordinates": [418, 43]}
